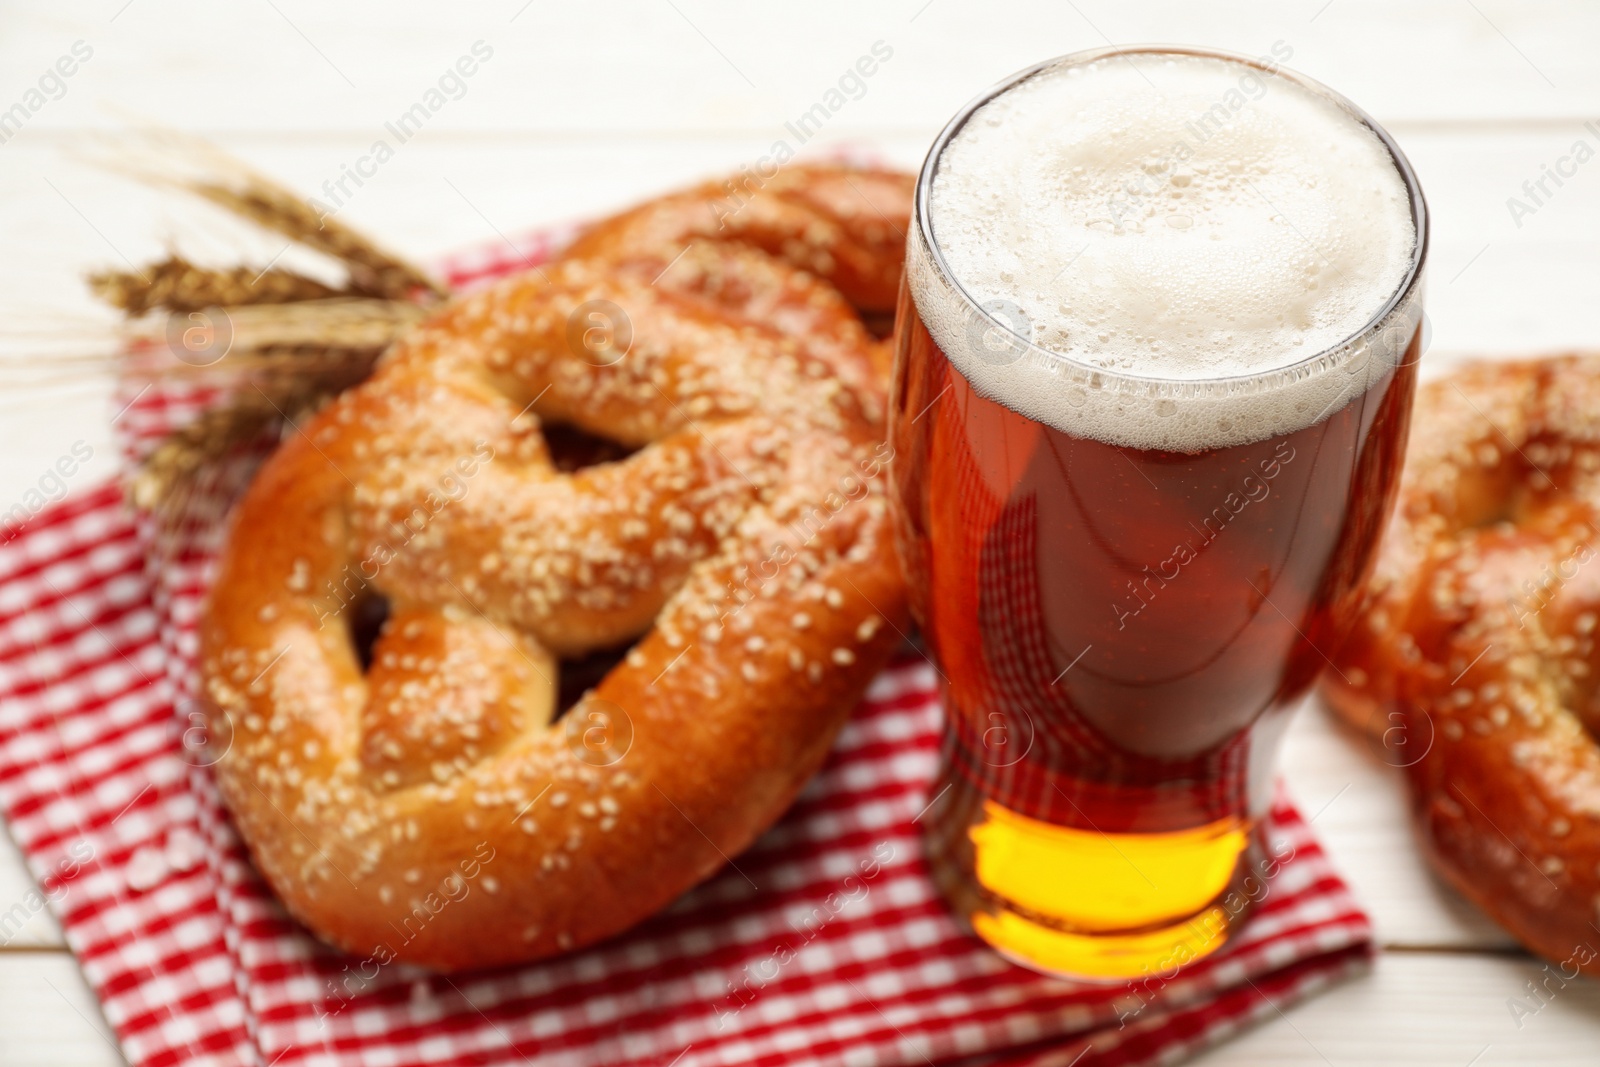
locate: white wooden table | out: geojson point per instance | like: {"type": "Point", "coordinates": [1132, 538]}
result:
{"type": "Point", "coordinates": [581, 108]}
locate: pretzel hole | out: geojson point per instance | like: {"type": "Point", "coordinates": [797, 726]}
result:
{"type": "Point", "coordinates": [367, 616]}
{"type": "Point", "coordinates": [573, 449]}
{"type": "Point", "coordinates": [583, 673]}
{"type": "Point", "coordinates": [1530, 499]}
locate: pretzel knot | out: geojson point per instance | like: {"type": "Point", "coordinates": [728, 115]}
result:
{"type": "Point", "coordinates": [1475, 660]}
{"type": "Point", "coordinates": [647, 489]}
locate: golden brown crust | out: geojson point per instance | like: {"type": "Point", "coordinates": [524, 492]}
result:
{"type": "Point", "coordinates": [424, 808]}
{"type": "Point", "coordinates": [845, 226]}
{"type": "Point", "coordinates": [1476, 651]}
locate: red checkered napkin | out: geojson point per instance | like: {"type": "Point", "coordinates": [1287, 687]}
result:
{"type": "Point", "coordinates": [825, 944]}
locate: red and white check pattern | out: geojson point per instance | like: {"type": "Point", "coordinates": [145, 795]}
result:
{"type": "Point", "coordinates": [825, 943]}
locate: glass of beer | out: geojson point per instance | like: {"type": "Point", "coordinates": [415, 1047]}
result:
{"type": "Point", "coordinates": [1155, 354]}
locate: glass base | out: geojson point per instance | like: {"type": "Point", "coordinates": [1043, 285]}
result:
{"type": "Point", "coordinates": [1100, 958]}
{"type": "Point", "coordinates": [1086, 905]}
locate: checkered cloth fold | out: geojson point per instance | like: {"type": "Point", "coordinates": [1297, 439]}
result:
{"type": "Point", "coordinates": [824, 943]}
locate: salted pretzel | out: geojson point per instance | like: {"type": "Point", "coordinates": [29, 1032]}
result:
{"type": "Point", "coordinates": [420, 579]}
{"type": "Point", "coordinates": [1475, 658]}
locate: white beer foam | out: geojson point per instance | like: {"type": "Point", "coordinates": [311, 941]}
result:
{"type": "Point", "coordinates": [1170, 217]}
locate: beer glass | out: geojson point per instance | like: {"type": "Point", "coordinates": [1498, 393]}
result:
{"type": "Point", "coordinates": [1146, 435]}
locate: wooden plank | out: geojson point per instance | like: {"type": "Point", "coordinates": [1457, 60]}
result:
{"type": "Point", "coordinates": [584, 107]}
{"type": "Point", "coordinates": [25, 917]}
{"type": "Point", "coordinates": [600, 69]}
{"type": "Point", "coordinates": [1431, 1010]}
{"type": "Point", "coordinates": [49, 1016]}
{"type": "Point", "coordinates": [1362, 819]}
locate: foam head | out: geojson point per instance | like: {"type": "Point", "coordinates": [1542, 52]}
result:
{"type": "Point", "coordinates": [1164, 216]}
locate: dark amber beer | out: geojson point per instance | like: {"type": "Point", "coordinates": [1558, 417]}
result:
{"type": "Point", "coordinates": [1153, 383]}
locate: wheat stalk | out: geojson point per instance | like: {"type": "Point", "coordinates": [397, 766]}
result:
{"type": "Point", "coordinates": [289, 343]}
{"type": "Point", "coordinates": [175, 284]}
{"type": "Point", "coordinates": [334, 323]}
{"type": "Point", "coordinates": [373, 271]}
{"type": "Point", "coordinates": [166, 158]}
{"type": "Point", "coordinates": [286, 361]}
{"type": "Point", "coordinates": [164, 481]}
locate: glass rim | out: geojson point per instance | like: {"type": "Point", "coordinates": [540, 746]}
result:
{"type": "Point", "coordinates": [922, 219]}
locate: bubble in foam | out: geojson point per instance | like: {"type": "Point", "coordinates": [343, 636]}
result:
{"type": "Point", "coordinates": [1170, 217]}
